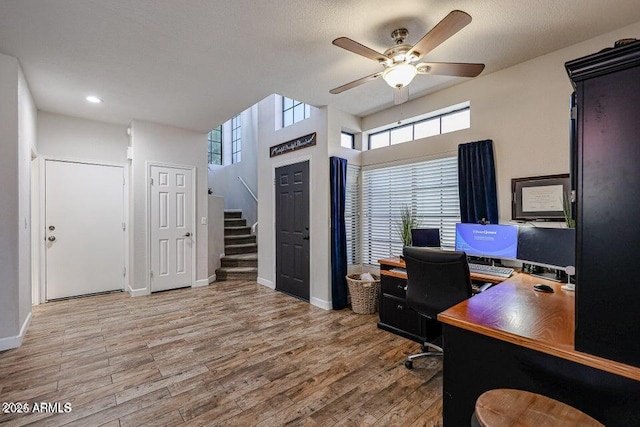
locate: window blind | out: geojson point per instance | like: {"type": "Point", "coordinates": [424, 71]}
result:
{"type": "Point", "coordinates": [429, 189]}
{"type": "Point", "coordinates": [352, 215]}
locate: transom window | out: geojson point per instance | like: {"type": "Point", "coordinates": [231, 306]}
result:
{"type": "Point", "coordinates": [215, 146]}
{"type": "Point", "coordinates": [236, 139]}
{"type": "Point", "coordinates": [294, 111]}
{"type": "Point", "coordinates": [436, 124]}
{"type": "Point", "coordinates": [347, 140]}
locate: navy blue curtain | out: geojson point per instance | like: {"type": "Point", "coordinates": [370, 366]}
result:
{"type": "Point", "coordinates": [477, 182]}
{"type": "Point", "coordinates": [338, 182]}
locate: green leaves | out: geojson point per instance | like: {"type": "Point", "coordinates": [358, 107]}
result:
{"type": "Point", "coordinates": [408, 220]}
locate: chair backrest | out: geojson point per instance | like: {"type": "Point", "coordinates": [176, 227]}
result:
{"type": "Point", "coordinates": [436, 279]}
{"type": "Point", "coordinates": [425, 237]}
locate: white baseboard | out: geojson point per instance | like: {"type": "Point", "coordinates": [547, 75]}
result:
{"type": "Point", "coordinates": [16, 341]}
{"type": "Point", "coordinates": [200, 283]}
{"type": "Point", "coordinates": [268, 283]}
{"type": "Point", "coordinates": [326, 305]}
{"type": "Point", "coordinates": [212, 278]}
{"type": "Point", "coordinates": [138, 292]}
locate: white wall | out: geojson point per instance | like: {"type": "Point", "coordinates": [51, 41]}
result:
{"type": "Point", "coordinates": [17, 139]}
{"type": "Point", "coordinates": [339, 121]}
{"type": "Point", "coordinates": [153, 142]}
{"type": "Point", "coordinates": [320, 291]}
{"type": "Point", "coordinates": [223, 180]}
{"type": "Point", "coordinates": [9, 213]}
{"type": "Point", "coordinates": [524, 109]}
{"type": "Point", "coordinates": [71, 138]}
{"type": "Point", "coordinates": [27, 142]}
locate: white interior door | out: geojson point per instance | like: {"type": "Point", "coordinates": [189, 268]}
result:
{"type": "Point", "coordinates": [84, 210]}
{"type": "Point", "coordinates": [171, 228]}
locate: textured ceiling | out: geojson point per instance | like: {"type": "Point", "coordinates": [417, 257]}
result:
{"type": "Point", "coordinates": [196, 63]}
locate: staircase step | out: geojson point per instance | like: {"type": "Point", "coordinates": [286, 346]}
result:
{"type": "Point", "coordinates": [241, 251]}
{"type": "Point", "coordinates": [235, 222]}
{"type": "Point", "coordinates": [235, 231]}
{"type": "Point", "coordinates": [236, 273]}
{"type": "Point", "coordinates": [244, 248]}
{"type": "Point", "coordinates": [240, 260]}
{"type": "Point", "coordinates": [239, 239]}
{"type": "Point", "coordinates": [232, 213]}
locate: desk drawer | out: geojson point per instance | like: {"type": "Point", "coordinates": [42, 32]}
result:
{"type": "Point", "coordinates": [396, 313]}
{"type": "Point", "coordinates": [394, 286]}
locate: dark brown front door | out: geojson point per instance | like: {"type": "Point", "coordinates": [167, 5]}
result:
{"type": "Point", "coordinates": [292, 230]}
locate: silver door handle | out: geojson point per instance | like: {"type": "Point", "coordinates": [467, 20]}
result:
{"type": "Point", "coordinates": [51, 238]}
{"type": "Point", "coordinates": [187, 234]}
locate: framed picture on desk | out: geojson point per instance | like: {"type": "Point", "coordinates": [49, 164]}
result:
{"type": "Point", "coordinates": [540, 197]}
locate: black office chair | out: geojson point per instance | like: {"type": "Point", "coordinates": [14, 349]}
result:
{"type": "Point", "coordinates": [436, 281]}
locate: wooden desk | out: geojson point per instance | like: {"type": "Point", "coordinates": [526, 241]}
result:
{"type": "Point", "coordinates": [395, 315]}
{"type": "Point", "coordinates": [513, 337]}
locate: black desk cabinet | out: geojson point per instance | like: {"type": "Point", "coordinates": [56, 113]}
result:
{"type": "Point", "coordinates": [606, 156]}
{"type": "Point", "coordinates": [397, 317]}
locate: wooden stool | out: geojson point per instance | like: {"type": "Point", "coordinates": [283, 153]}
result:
{"type": "Point", "coordinates": [508, 408]}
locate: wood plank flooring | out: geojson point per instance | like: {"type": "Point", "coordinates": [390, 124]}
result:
{"type": "Point", "coordinates": [233, 354]}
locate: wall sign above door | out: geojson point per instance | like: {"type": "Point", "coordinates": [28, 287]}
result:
{"type": "Point", "coordinates": [294, 144]}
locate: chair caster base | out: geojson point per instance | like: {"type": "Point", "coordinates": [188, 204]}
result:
{"type": "Point", "coordinates": [408, 364]}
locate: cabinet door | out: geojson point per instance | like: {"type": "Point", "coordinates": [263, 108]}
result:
{"type": "Point", "coordinates": [398, 315]}
{"type": "Point", "coordinates": [608, 235]}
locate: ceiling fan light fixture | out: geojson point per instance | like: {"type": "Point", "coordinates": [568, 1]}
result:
{"type": "Point", "coordinates": [399, 75]}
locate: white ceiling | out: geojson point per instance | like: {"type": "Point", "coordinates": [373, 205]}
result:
{"type": "Point", "coordinates": [196, 63]}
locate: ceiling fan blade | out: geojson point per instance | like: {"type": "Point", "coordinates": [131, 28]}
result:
{"type": "Point", "coordinates": [355, 83]}
{"type": "Point", "coordinates": [451, 24]}
{"type": "Point", "coordinates": [458, 69]}
{"type": "Point", "coordinates": [360, 49]}
{"type": "Point", "coordinates": [400, 95]}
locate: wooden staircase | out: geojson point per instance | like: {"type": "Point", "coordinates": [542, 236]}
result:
{"type": "Point", "coordinates": [240, 261]}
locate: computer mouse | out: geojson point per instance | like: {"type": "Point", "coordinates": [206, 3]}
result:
{"type": "Point", "coordinates": [543, 288]}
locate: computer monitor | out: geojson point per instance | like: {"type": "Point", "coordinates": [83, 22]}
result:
{"type": "Point", "coordinates": [425, 237]}
{"type": "Point", "coordinates": [491, 240]}
{"type": "Point", "coordinates": [554, 247]}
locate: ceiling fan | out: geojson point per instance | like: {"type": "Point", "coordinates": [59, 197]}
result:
{"type": "Point", "coordinates": [399, 62]}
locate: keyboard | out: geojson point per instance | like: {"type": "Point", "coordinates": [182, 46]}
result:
{"type": "Point", "coordinates": [491, 270]}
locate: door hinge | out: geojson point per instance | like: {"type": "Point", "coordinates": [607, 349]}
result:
{"type": "Point", "coordinates": [574, 112]}
{"type": "Point", "coordinates": [151, 273]}
{"type": "Point", "coordinates": [124, 271]}
{"type": "Point", "coordinates": [124, 226]}
{"type": "Point", "coordinates": [151, 181]}
{"type": "Point", "coordinates": [573, 196]}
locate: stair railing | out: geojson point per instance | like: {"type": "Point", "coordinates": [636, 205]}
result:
{"type": "Point", "coordinates": [254, 227]}
{"type": "Point", "coordinates": [248, 189]}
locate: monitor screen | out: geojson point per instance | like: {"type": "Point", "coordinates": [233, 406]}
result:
{"type": "Point", "coordinates": [425, 237]}
{"type": "Point", "coordinates": [549, 246]}
{"type": "Point", "coordinates": [492, 240]}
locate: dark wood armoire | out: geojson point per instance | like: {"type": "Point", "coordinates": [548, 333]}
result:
{"type": "Point", "coordinates": [606, 168]}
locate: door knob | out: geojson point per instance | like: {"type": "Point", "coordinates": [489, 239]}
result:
{"type": "Point", "coordinates": [187, 234]}
{"type": "Point", "coordinates": [51, 238]}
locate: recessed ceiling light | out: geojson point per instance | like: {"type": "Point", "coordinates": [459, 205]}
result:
{"type": "Point", "coordinates": [94, 99]}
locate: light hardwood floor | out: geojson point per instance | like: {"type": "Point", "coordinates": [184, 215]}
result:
{"type": "Point", "coordinates": [232, 354]}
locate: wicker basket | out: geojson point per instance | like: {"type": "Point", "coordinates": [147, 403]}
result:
{"type": "Point", "coordinates": [364, 294]}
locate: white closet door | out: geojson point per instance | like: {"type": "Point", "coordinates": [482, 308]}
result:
{"type": "Point", "coordinates": [84, 205]}
{"type": "Point", "coordinates": [172, 237]}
